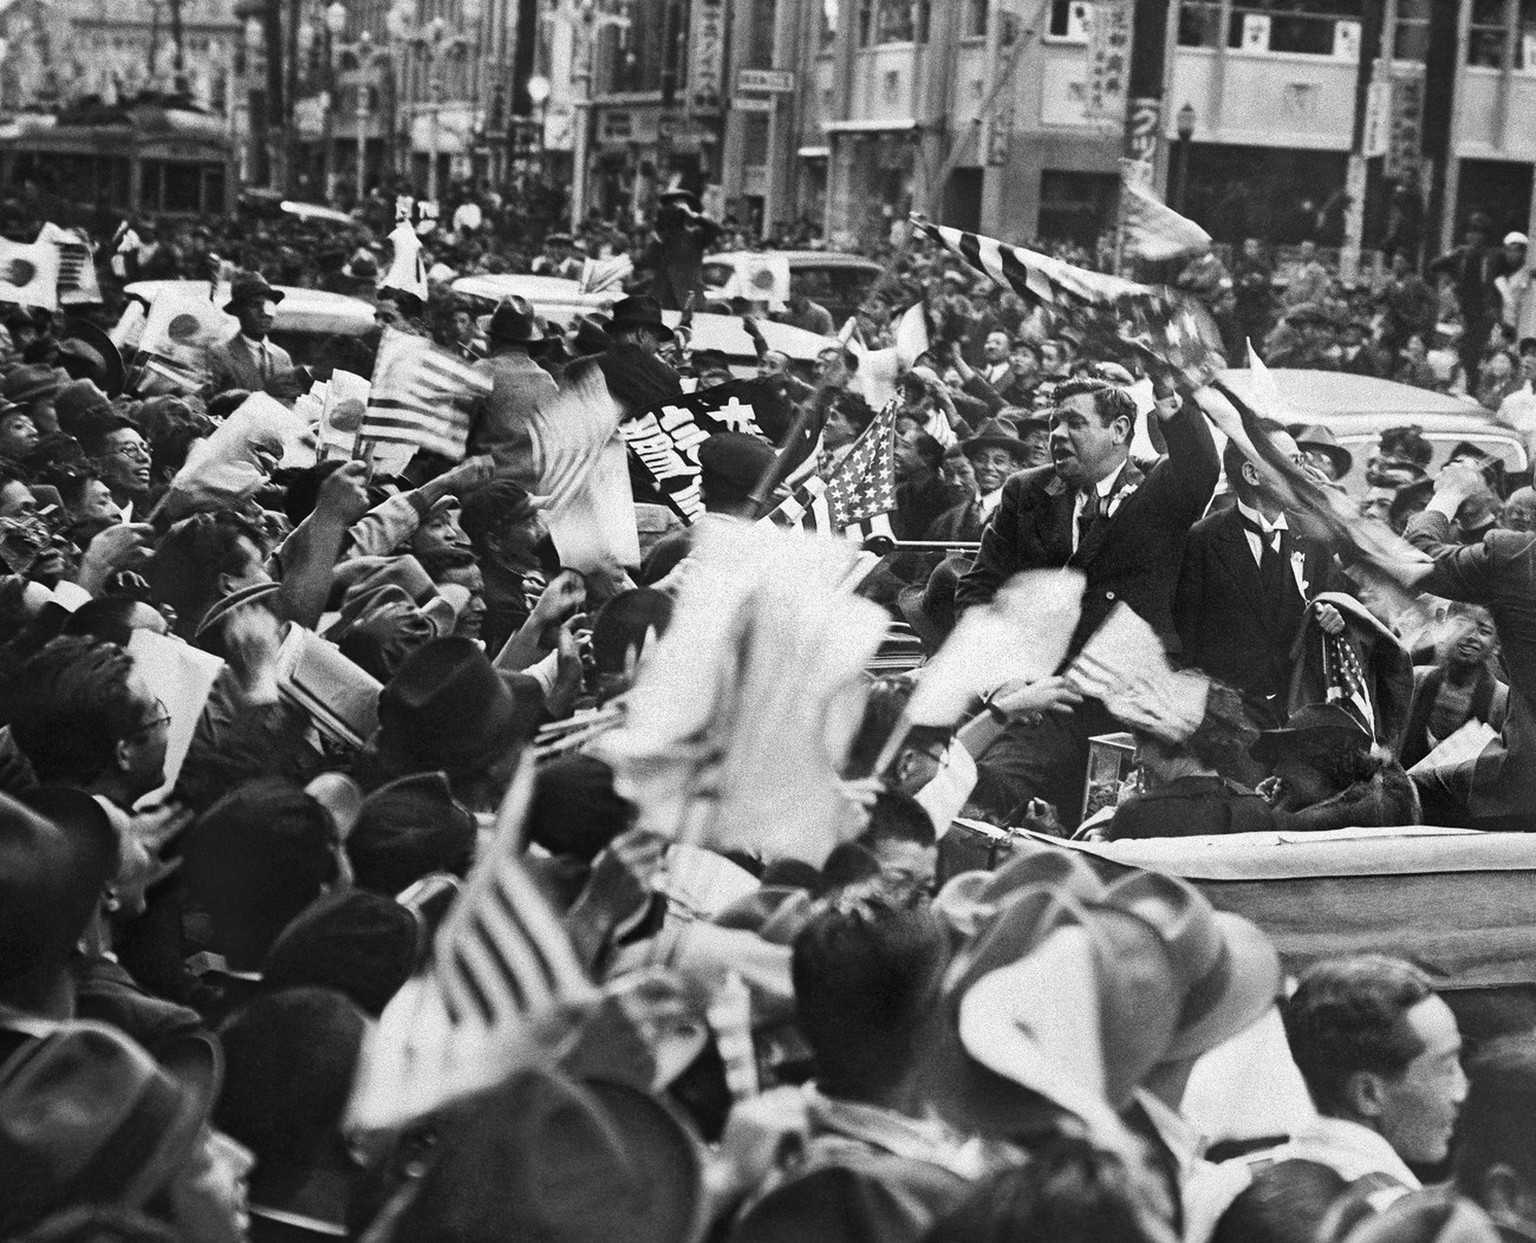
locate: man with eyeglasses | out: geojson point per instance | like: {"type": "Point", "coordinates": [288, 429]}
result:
{"type": "Point", "coordinates": [1246, 586]}
{"type": "Point", "coordinates": [122, 460]}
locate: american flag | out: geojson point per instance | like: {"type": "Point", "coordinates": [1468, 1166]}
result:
{"type": "Point", "coordinates": [422, 396]}
{"type": "Point", "coordinates": [1346, 679]}
{"type": "Point", "coordinates": [856, 499]}
{"type": "Point", "coordinates": [77, 272]}
{"type": "Point", "coordinates": [501, 962]}
{"type": "Point", "coordinates": [1030, 274]}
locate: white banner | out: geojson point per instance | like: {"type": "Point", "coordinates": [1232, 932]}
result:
{"type": "Point", "coordinates": [706, 57]}
{"type": "Point", "coordinates": [1109, 59]}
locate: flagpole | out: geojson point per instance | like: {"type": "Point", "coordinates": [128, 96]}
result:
{"type": "Point", "coordinates": [769, 479]}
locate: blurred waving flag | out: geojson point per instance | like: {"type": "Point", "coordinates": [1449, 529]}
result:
{"type": "Point", "coordinates": [77, 272]}
{"type": "Point", "coordinates": [857, 498]}
{"type": "Point", "coordinates": [29, 275]}
{"type": "Point", "coordinates": [421, 395]}
{"type": "Point", "coordinates": [500, 964]}
{"type": "Point", "coordinates": [1154, 230]}
{"type": "Point", "coordinates": [1030, 273]}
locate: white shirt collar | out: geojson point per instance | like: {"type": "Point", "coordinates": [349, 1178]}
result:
{"type": "Point", "coordinates": [255, 346]}
{"type": "Point", "coordinates": [1106, 485]}
{"type": "Point", "coordinates": [1259, 520]}
{"type": "Point", "coordinates": [991, 501]}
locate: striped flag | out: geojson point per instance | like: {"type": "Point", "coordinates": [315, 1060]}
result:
{"type": "Point", "coordinates": [77, 272]}
{"type": "Point", "coordinates": [857, 498]}
{"type": "Point", "coordinates": [500, 964]}
{"type": "Point", "coordinates": [421, 395]}
{"type": "Point", "coordinates": [1030, 274]}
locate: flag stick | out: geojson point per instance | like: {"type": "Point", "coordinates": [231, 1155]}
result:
{"type": "Point", "coordinates": [771, 475]}
{"type": "Point", "coordinates": [892, 746]}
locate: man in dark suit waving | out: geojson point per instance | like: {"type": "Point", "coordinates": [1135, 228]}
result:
{"type": "Point", "coordinates": [1095, 510]}
{"type": "Point", "coordinates": [1244, 587]}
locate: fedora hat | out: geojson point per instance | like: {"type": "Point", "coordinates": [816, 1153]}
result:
{"type": "Point", "coordinates": [250, 287]}
{"type": "Point", "coordinates": [591, 335]}
{"type": "Point", "coordinates": [34, 382]}
{"type": "Point", "coordinates": [995, 434]}
{"type": "Point", "coordinates": [514, 323]}
{"type": "Point", "coordinates": [1230, 971]}
{"type": "Point", "coordinates": [88, 353]}
{"type": "Point", "coordinates": [1085, 1045]}
{"type": "Point", "coordinates": [1324, 722]}
{"type": "Point", "coordinates": [447, 708]}
{"type": "Point", "coordinates": [972, 900]}
{"type": "Point", "coordinates": [639, 311]}
{"type": "Point", "coordinates": [1319, 439]}
{"type": "Point", "coordinates": [929, 607]}
{"type": "Point", "coordinates": [543, 1157]}
{"type": "Point", "coordinates": [89, 1117]}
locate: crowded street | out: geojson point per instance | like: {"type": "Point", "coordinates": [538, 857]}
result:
{"type": "Point", "coordinates": [581, 707]}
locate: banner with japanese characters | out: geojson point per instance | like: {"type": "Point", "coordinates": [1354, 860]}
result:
{"type": "Point", "coordinates": [1109, 52]}
{"type": "Point", "coordinates": [665, 439]}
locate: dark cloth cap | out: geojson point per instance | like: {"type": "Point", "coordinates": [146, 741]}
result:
{"type": "Point", "coordinates": [408, 829]}
{"type": "Point", "coordinates": [514, 323]}
{"type": "Point", "coordinates": [357, 942]}
{"type": "Point", "coordinates": [575, 810]}
{"type": "Point", "coordinates": [76, 403]}
{"type": "Point", "coordinates": [34, 382]}
{"type": "Point", "coordinates": [734, 459]}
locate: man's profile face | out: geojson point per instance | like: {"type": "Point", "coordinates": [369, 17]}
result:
{"type": "Point", "coordinates": [1421, 1104]}
{"type": "Point", "coordinates": [1083, 448]}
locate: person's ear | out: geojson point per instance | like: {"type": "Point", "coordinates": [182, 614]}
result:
{"type": "Point", "coordinates": [1251, 474]}
{"type": "Point", "coordinates": [1123, 434]}
{"type": "Point", "coordinates": [122, 754]}
{"type": "Point", "coordinates": [1365, 1094]}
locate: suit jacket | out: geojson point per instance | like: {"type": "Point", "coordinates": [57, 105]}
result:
{"type": "Point", "coordinates": [1133, 556]}
{"type": "Point", "coordinates": [1226, 625]}
{"type": "Point", "coordinates": [1499, 574]}
{"type": "Point", "coordinates": [233, 364]}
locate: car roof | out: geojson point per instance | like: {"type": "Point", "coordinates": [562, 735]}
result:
{"type": "Point", "coordinates": [724, 334]}
{"type": "Point", "coordinates": [495, 286]}
{"type": "Point", "coordinates": [301, 310]}
{"type": "Point", "coordinates": [799, 258]}
{"type": "Point", "coordinates": [1329, 396]}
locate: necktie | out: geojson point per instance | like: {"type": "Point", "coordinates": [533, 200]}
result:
{"type": "Point", "coordinates": [1274, 555]}
{"type": "Point", "coordinates": [1093, 510]}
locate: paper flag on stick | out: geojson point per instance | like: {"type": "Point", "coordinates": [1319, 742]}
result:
{"type": "Point", "coordinates": [1125, 665]}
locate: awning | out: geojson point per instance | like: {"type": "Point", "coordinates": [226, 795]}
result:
{"type": "Point", "coordinates": [871, 125]}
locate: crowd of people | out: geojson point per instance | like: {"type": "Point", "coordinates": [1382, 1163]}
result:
{"type": "Point", "coordinates": [275, 756]}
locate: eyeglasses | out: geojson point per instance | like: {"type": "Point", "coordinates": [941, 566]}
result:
{"type": "Point", "coordinates": [134, 449]}
{"type": "Point", "coordinates": [161, 721]}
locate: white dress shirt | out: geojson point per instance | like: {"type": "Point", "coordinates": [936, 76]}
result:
{"type": "Point", "coordinates": [1109, 501]}
{"type": "Point", "coordinates": [1272, 531]}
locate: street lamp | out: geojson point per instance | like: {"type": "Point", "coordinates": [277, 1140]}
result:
{"type": "Point", "coordinates": [538, 94]}
{"type": "Point", "coordinates": [335, 19]}
{"type": "Point", "coordinates": [1185, 121]}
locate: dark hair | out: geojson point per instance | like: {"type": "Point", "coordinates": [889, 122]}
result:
{"type": "Point", "coordinates": [1349, 1015]}
{"type": "Point", "coordinates": [489, 511]}
{"type": "Point", "coordinates": [1233, 458]}
{"type": "Point", "coordinates": [898, 817]}
{"type": "Point", "coordinates": [70, 706]}
{"type": "Point", "coordinates": [289, 1058]}
{"type": "Point", "coordinates": [864, 970]}
{"type": "Point", "coordinates": [106, 617]}
{"type": "Point", "coordinates": [1495, 1124]}
{"type": "Point", "coordinates": [927, 448]}
{"type": "Point", "coordinates": [222, 405]}
{"type": "Point", "coordinates": [189, 560]}
{"type": "Point", "coordinates": [1407, 442]}
{"type": "Point", "coordinates": [1110, 401]}
{"type": "Point", "coordinates": [1341, 765]}
{"type": "Point", "coordinates": [623, 622]}
{"type": "Point", "coordinates": [1285, 1203]}
{"type": "Point", "coordinates": [254, 860]}
{"type": "Point", "coordinates": [1067, 1192]}
{"type": "Point", "coordinates": [93, 436]}
{"type": "Point", "coordinates": [303, 489]}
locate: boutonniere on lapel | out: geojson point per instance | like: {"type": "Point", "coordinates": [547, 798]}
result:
{"type": "Point", "coordinates": [1299, 567]}
{"type": "Point", "coordinates": [1124, 494]}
